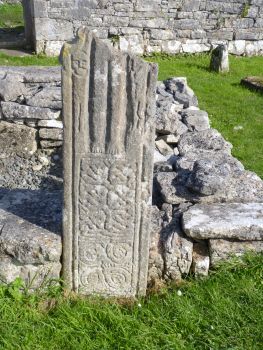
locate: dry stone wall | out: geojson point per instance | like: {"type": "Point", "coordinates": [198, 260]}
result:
{"type": "Point", "coordinates": [144, 26]}
{"type": "Point", "coordinates": [206, 206]}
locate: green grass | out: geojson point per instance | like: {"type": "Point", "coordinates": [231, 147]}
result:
{"type": "Point", "coordinates": [223, 312]}
{"type": "Point", "coordinates": [228, 103]}
{"type": "Point", "coordinates": [34, 60]}
{"type": "Point", "coordinates": [11, 16]}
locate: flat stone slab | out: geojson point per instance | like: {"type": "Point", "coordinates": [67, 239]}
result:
{"type": "Point", "coordinates": [253, 83]}
{"type": "Point", "coordinates": [225, 220]}
{"type": "Point", "coordinates": [30, 235]}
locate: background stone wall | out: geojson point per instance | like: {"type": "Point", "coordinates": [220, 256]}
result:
{"type": "Point", "coordinates": [146, 26]}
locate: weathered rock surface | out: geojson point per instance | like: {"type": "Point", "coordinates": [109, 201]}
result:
{"type": "Point", "coordinates": [227, 221]}
{"type": "Point", "coordinates": [51, 134]}
{"type": "Point", "coordinates": [195, 120]}
{"type": "Point", "coordinates": [12, 110]}
{"type": "Point", "coordinates": [108, 163]}
{"type": "Point", "coordinates": [30, 243]}
{"type": "Point", "coordinates": [177, 251]}
{"type": "Point", "coordinates": [48, 97]}
{"type": "Point", "coordinates": [11, 87]}
{"type": "Point", "coordinates": [201, 143]}
{"type": "Point", "coordinates": [201, 260]}
{"type": "Point", "coordinates": [17, 139]}
{"type": "Point", "coordinates": [221, 249]}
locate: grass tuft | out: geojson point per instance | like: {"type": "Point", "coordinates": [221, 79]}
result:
{"type": "Point", "coordinates": [223, 311]}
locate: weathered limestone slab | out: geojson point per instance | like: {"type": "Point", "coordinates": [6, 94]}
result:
{"type": "Point", "coordinates": [221, 249]}
{"type": "Point", "coordinates": [13, 110]}
{"type": "Point", "coordinates": [17, 139]}
{"type": "Point", "coordinates": [109, 106]}
{"type": "Point", "coordinates": [226, 220]}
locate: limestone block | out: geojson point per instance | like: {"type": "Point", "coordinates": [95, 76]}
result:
{"type": "Point", "coordinates": [51, 134]}
{"type": "Point", "coordinates": [108, 166]}
{"type": "Point", "coordinates": [12, 110]}
{"type": "Point", "coordinates": [11, 87]}
{"type": "Point", "coordinates": [51, 124]}
{"type": "Point", "coordinates": [201, 260]}
{"type": "Point", "coordinates": [195, 120]}
{"type": "Point", "coordinates": [48, 97]}
{"type": "Point", "coordinates": [221, 249]}
{"type": "Point", "coordinates": [225, 221]}
{"type": "Point", "coordinates": [17, 139]}
{"type": "Point", "coordinates": [203, 142]}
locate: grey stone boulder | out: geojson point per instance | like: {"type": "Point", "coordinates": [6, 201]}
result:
{"type": "Point", "coordinates": [195, 120]}
{"type": "Point", "coordinates": [211, 174]}
{"type": "Point", "coordinates": [234, 221]}
{"type": "Point", "coordinates": [47, 97]}
{"type": "Point", "coordinates": [168, 120]}
{"type": "Point", "coordinates": [182, 93]}
{"type": "Point", "coordinates": [200, 143]}
{"type": "Point", "coordinates": [221, 249]}
{"type": "Point", "coordinates": [171, 188]}
{"type": "Point", "coordinates": [17, 139]}
{"type": "Point", "coordinates": [12, 110]}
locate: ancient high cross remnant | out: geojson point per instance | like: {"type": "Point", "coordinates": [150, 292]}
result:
{"type": "Point", "coordinates": [108, 107]}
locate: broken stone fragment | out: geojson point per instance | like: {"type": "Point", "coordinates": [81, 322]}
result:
{"type": "Point", "coordinates": [168, 120]}
{"type": "Point", "coordinates": [12, 110]}
{"type": "Point", "coordinates": [236, 221]}
{"type": "Point", "coordinates": [163, 148]}
{"type": "Point", "coordinates": [17, 139]}
{"type": "Point", "coordinates": [201, 260]}
{"type": "Point", "coordinates": [221, 249]}
{"type": "Point", "coordinates": [177, 251]}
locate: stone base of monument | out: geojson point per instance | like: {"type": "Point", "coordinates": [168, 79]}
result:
{"type": "Point", "coordinates": [206, 207]}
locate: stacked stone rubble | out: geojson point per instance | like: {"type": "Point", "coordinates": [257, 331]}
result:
{"type": "Point", "coordinates": [146, 26]}
{"type": "Point", "coordinates": [31, 98]}
{"type": "Point", "coordinates": [206, 206]}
